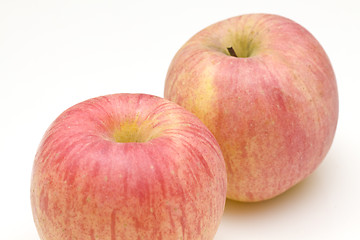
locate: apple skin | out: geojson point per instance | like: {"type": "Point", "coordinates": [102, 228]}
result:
{"type": "Point", "coordinates": [273, 109]}
{"type": "Point", "coordinates": [128, 166]}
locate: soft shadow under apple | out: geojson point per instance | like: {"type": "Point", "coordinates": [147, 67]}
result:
{"type": "Point", "coordinates": [297, 212]}
{"type": "Point", "coordinates": [287, 200]}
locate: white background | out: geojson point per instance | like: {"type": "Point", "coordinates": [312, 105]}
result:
{"type": "Point", "coordinates": [54, 54]}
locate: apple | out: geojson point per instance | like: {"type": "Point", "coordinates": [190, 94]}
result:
{"type": "Point", "coordinates": [265, 88]}
{"type": "Point", "coordinates": [128, 166]}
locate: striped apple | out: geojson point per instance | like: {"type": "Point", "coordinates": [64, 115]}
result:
{"type": "Point", "coordinates": [266, 89]}
{"type": "Point", "coordinates": [128, 166]}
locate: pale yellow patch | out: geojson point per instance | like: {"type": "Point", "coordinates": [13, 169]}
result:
{"type": "Point", "coordinates": [135, 131]}
{"type": "Point", "coordinates": [201, 104]}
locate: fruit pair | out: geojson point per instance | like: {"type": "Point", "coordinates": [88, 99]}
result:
{"type": "Point", "coordinates": [137, 166]}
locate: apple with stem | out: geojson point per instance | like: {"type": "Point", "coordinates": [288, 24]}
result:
{"type": "Point", "coordinates": [128, 166]}
{"type": "Point", "coordinates": [265, 88]}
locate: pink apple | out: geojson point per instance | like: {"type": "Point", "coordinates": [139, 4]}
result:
{"type": "Point", "coordinates": [128, 166]}
{"type": "Point", "coordinates": [266, 89]}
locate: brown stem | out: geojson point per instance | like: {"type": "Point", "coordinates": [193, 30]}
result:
{"type": "Point", "coordinates": [231, 51]}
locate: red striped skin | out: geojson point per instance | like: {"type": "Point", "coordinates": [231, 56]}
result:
{"type": "Point", "coordinates": [274, 113]}
{"type": "Point", "coordinates": [85, 185]}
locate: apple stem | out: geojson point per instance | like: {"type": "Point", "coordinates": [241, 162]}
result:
{"type": "Point", "coordinates": [231, 51]}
